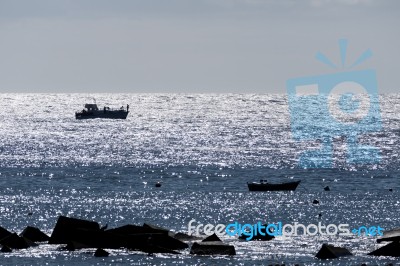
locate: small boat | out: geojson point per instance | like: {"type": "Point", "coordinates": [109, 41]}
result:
{"type": "Point", "coordinates": [92, 111]}
{"type": "Point", "coordinates": [265, 186]}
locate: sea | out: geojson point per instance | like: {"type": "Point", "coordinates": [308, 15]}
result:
{"type": "Point", "coordinates": [203, 149]}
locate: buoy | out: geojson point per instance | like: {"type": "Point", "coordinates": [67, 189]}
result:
{"type": "Point", "coordinates": [158, 184]}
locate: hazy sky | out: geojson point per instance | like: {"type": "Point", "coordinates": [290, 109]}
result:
{"type": "Point", "coordinates": [241, 46]}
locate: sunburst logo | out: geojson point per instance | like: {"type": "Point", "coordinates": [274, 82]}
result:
{"type": "Point", "coordinates": [344, 104]}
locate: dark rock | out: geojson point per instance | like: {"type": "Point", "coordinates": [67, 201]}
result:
{"type": "Point", "coordinates": [158, 184]}
{"type": "Point", "coordinates": [4, 232]}
{"type": "Point", "coordinates": [390, 235]}
{"type": "Point", "coordinates": [16, 242]}
{"type": "Point", "coordinates": [103, 228]}
{"type": "Point", "coordinates": [332, 252]}
{"type": "Point", "coordinates": [101, 253]}
{"type": "Point", "coordinates": [131, 229]}
{"type": "Point", "coordinates": [212, 248]}
{"type": "Point", "coordinates": [34, 234]}
{"type": "Point", "coordinates": [6, 249]}
{"type": "Point", "coordinates": [159, 240]}
{"type": "Point", "coordinates": [112, 240]}
{"type": "Point", "coordinates": [212, 238]}
{"type": "Point", "coordinates": [391, 249]}
{"type": "Point", "coordinates": [155, 228]}
{"type": "Point", "coordinates": [327, 188]}
{"type": "Point", "coordinates": [66, 227]}
{"type": "Point", "coordinates": [315, 201]}
{"type": "Point", "coordinates": [390, 189]}
{"type": "Point", "coordinates": [72, 246]}
{"type": "Point", "coordinates": [186, 237]}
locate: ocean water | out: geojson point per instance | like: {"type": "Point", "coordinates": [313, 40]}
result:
{"type": "Point", "coordinates": [203, 148]}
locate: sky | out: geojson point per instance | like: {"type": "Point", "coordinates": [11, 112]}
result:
{"type": "Point", "coordinates": [190, 46]}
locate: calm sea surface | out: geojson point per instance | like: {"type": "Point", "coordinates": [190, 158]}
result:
{"type": "Point", "coordinates": [203, 148]}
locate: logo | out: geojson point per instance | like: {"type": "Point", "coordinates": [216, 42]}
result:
{"type": "Point", "coordinates": [344, 104]}
{"type": "Point", "coordinates": [280, 229]}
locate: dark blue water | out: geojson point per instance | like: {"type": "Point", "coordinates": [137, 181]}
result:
{"type": "Point", "coordinates": [203, 148]}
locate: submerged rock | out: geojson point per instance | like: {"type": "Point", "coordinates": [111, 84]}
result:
{"type": "Point", "coordinates": [332, 252]}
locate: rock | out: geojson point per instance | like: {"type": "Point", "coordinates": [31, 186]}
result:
{"type": "Point", "coordinates": [34, 234]}
{"type": "Point", "coordinates": [4, 232]}
{"type": "Point", "coordinates": [315, 201]}
{"type": "Point", "coordinates": [390, 235]}
{"type": "Point", "coordinates": [6, 249]}
{"type": "Point", "coordinates": [155, 228]}
{"type": "Point", "coordinates": [148, 238]}
{"type": "Point", "coordinates": [66, 227]}
{"type": "Point", "coordinates": [212, 248]}
{"type": "Point", "coordinates": [185, 237]}
{"type": "Point", "coordinates": [101, 253]}
{"type": "Point", "coordinates": [327, 188]}
{"type": "Point", "coordinates": [391, 249]}
{"type": "Point", "coordinates": [72, 246]}
{"type": "Point", "coordinates": [16, 242]}
{"type": "Point", "coordinates": [131, 229]}
{"type": "Point", "coordinates": [332, 252]}
{"type": "Point", "coordinates": [211, 238]}
{"type": "Point", "coordinates": [158, 184]}
{"type": "Point", "coordinates": [159, 240]}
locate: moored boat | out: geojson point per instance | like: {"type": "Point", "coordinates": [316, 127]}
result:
{"type": "Point", "coordinates": [263, 185]}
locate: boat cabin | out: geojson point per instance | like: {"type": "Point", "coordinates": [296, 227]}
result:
{"type": "Point", "coordinates": [91, 107]}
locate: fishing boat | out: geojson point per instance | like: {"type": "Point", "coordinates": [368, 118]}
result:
{"type": "Point", "coordinates": [263, 185]}
{"type": "Point", "coordinates": [92, 111]}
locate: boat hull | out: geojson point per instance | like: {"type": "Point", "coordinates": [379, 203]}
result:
{"type": "Point", "coordinates": [119, 114]}
{"type": "Point", "coordinates": [290, 186]}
